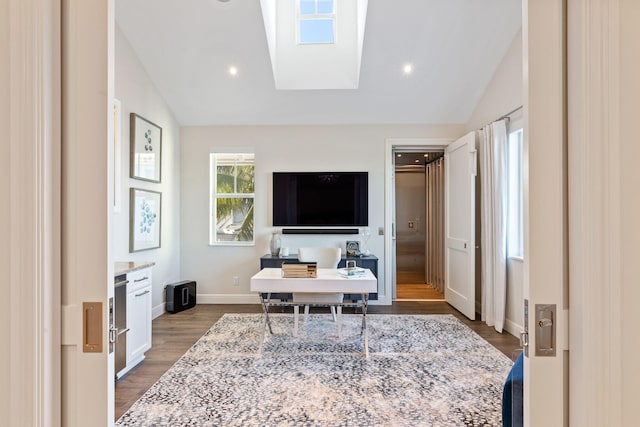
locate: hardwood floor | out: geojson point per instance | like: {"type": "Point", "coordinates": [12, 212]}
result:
{"type": "Point", "coordinates": [420, 291]}
{"type": "Point", "coordinates": [174, 334]}
{"type": "Point", "coordinates": [410, 285]}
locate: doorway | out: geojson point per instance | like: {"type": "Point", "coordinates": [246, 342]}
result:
{"type": "Point", "coordinates": [419, 214]}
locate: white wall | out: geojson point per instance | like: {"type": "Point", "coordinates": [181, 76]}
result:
{"type": "Point", "coordinates": [503, 94]}
{"type": "Point", "coordinates": [137, 94]}
{"type": "Point", "coordinates": [505, 90]}
{"type": "Point", "coordinates": [277, 148]}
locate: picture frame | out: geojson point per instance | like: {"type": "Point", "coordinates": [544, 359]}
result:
{"type": "Point", "coordinates": [145, 219]}
{"type": "Point", "coordinates": [353, 248]}
{"type": "Point", "coordinates": [146, 149]}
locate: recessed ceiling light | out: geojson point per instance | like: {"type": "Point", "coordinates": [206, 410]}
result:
{"type": "Point", "coordinates": [407, 68]}
{"type": "Point", "coordinates": [426, 155]}
{"type": "Point", "coordinates": [233, 71]}
{"type": "Point", "coordinates": [417, 161]}
{"type": "Point", "coordinates": [399, 155]}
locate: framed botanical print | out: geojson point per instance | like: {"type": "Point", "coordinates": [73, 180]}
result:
{"type": "Point", "coordinates": [144, 219]}
{"type": "Point", "coordinates": [146, 149]}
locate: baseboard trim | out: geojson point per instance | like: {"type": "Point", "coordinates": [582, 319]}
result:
{"type": "Point", "coordinates": [228, 299]}
{"type": "Point", "coordinates": [248, 299]}
{"type": "Point", "coordinates": [158, 310]}
{"type": "Point", "coordinates": [513, 328]}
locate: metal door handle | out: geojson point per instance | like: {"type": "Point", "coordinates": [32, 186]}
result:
{"type": "Point", "coordinates": [143, 293]}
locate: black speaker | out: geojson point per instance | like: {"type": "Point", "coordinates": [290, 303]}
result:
{"type": "Point", "coordinates": [181, 296]}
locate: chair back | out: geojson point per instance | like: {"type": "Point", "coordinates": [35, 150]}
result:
{"type": "Point", "coordinates": [324, 257]}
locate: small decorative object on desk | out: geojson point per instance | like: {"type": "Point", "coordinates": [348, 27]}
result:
{"type": "Point", "coordinates": [274, 244]}
{"type": "Point", "coordinates": [353, 248]}
{"type": "Point", "coordinates": [309, 269]}
{"type": "Point", "coordinates": [351, 272]}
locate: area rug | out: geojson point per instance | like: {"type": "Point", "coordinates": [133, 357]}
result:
{"type": "Point", "coordinates": [423, 370]}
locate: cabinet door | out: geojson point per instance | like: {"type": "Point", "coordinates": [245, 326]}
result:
{"type": "Point", "coordinates": [139, 323]}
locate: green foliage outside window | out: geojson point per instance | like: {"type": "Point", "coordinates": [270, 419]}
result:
{"type": "Point", "coordinates": [233, 182]}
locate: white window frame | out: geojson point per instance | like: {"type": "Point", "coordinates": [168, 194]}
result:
{"type": "Point", "coordinates": [316, 16]}
{"type": "Point", "coordinates": [214, 196]}
{"type": "Point", "coordinates": [515, 188]}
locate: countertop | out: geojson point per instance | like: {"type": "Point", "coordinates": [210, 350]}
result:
{"type": "Point", "coordinates": [124, 267]}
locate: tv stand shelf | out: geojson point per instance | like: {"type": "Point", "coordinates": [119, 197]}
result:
{"type": "Point", "coordinates": [364, 261]}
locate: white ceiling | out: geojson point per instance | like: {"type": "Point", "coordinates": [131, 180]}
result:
{"type": "Point", "coordinates": [187, 47]}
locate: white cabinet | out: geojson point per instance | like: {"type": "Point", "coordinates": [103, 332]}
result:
{"type": "Point", "coordinates": [138, 315]}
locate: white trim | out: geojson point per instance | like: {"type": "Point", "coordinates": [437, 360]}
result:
{"type": "Point", "coordinates": [386, 296]}
{"type": "Point", "coordinates": [158, 310]}
{"type": "Point", "coordinates": [252, 298]}
{"type": "Point", "coordinates": [512, 327]}
{"type": "Point", "coordinates": [545, 215]}
{"type": "Point", "coordinates": [597, 231]}
{"type": "Point", "coordinates": [87, 30]}
{"type": "Point", "coordinates": [32, 336]}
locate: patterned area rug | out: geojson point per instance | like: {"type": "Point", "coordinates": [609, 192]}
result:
{"type": "Point", "coordinates": [422, 371]}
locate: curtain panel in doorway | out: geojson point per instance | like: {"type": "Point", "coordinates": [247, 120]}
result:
{"type": "Point", "coordinates": [493, 222]}
{"type": "Point", "coordinates": [434, 239]}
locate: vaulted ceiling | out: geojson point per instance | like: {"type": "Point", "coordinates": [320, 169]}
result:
{"type": "Point", "coordinates": [454, 46]}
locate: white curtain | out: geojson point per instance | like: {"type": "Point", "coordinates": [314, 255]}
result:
{"type": "Point", "coordinates": [434, 239]}
{"type": "Point", "coordinates": [493, 222]}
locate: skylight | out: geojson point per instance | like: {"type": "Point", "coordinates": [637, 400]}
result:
{"type": "Point", "coordinates": [316, 21]}
{"type": "Point", "coordinates": [315, 44]}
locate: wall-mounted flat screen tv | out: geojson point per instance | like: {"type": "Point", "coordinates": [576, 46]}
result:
{"type": "Point", "coordinates": [320, 199]}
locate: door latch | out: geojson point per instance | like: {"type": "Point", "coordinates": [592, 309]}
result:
{"type": "Point", "coordinates": [545, 329]}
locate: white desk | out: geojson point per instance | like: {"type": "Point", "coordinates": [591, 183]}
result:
{"type": "Point", "coordinates": [270, 280]}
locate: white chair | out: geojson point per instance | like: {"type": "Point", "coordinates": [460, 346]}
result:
{"type": "Point", "coordinates": [325, 258]}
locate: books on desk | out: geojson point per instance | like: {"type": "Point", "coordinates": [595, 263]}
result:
{"type": "Point", "coordinates": [298, 270]}
{"type": "Point", "coordinates": [352, 272]}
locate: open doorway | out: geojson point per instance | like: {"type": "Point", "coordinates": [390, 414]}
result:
{"type": "Point", "coordinates": [419, 213]}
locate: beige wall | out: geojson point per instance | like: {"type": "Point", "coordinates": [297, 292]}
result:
{"type": "Point", "coordinates": [137, 94]}
{"type": "Point", "coordinates": [504, 91]}
{"type": "Point", "coordinates": [277, 148]}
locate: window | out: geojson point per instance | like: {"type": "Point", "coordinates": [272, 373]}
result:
{"type": "Point", "coordinates": [232, 198]}
{"type": "Point", "coordinates": [515, 230]}
{"type": "Point", "coordinates": [316, 21]}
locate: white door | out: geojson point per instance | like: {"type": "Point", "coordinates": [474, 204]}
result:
{"type": "Point", "coordinates": [87, 377]}
{"type": "Point", "coordinates": [546, 391]}
{"type": "Point", "coordinates": [460, 176]}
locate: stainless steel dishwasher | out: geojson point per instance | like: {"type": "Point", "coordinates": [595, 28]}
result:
{"type": "Point", "coordinates": [120, 314]}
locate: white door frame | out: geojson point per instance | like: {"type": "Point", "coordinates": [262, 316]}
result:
{"type": "Point", "coordinates": [604, 208]}
{"type": "Point", "coordinates": [390, 145]}
{"type": "Point", "coordinates": [88, 379]}
{"type": "Point", "coordinates": [30, 218]}
{"type": "Point", "coordinates": [600, 392]}
{"type": "Point", "coordinates": [545, 211]}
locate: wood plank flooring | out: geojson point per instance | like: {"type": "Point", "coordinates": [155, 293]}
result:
{"type": "Point", "coordinates": [420, 291]}
{"type": "Point", "coordinates": [174, 334]}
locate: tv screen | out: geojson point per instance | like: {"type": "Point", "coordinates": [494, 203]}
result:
{"type": "Point", "coordinates": [320, 199]}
